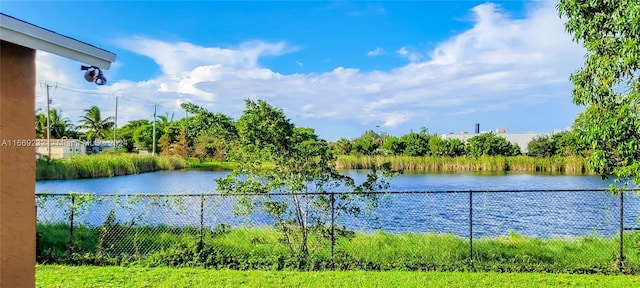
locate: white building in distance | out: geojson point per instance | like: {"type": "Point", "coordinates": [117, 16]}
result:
{"type": "Point", "coordinates": [521, 139]}
{"type": "Point", "coordinates": [60, 148]}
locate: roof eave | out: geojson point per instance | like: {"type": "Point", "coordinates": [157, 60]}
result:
{"type": "Point", "coordinates": [34, 37]}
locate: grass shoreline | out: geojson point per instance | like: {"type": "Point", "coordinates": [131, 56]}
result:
{"type": "Point", "coordinates": [210, 165]}
{"type": "Point", "coordinates": [104, 165]}
{"type": "Point", "coordinates": [572, 165]}
{"type": "Point", "coordinates": [110, 165]}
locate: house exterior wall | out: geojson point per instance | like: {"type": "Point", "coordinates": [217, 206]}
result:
{"type": "Point", "coordinates": [17, 166]}
{"type": "Point", "coordinates": [18, 43]}
{"type": "Point", "coordinates": [61, 148]}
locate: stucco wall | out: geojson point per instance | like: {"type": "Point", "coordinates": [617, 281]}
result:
{"type": "Point", "coordinates": [17, 166]}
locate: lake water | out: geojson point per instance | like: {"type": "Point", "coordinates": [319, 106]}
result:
{"type": "Point", "coordinates": [197, 182]}
{"type": "Point", "coordinates": [540, 214]}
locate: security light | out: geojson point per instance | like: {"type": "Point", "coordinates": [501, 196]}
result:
{"type": "Point", "coordinates": [92, 76]}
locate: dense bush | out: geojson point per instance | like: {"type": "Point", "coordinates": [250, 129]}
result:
{"type": "Point", "coordinates": [559, 144]}
{"type": "Point", "coordinates": [490, 144]}
{"type": "Point", "coordinates": [419, 144]}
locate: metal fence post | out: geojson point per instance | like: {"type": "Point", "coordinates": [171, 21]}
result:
{"type": "Point", "coordinates": [72, 209]}
{"type": "Point", "coordinates": [470, 229]}
{"type": "Point", "coordinates": [333, 238]}
{"type": "Point", "coordinates": [621, 255]}
{"type": "Point", "coordinates": [201, 244]}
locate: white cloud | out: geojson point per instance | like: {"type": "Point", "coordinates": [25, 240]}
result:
{"type": "Point", "coordinates": [52, 68]}
{"type": "Point", "coordinates": [413, 56]}
{"type": "Point", "coordinates": [394, 119]}
{"type": "Point", "coordinates": [376, 52]}
{"type": "Point", "coordinates": [175, 58]}
{"type": "Point", "coordinates": [499, 69]}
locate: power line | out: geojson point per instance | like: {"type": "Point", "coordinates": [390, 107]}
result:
{"type": "Point", "coordinates": [108, 94]}
{"type": "Point", "coordinates": [112, 94]}
{"type": "Point", "coordinates": [83, 91]}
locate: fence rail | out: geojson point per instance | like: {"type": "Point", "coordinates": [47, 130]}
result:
{"type": "Point", "coordinates": [139, 224]}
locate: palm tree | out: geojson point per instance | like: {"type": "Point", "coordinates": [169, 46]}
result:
{"type": "Point", "coordinates": [95, 126]}
{"type": "Point", "coordinates": [41, 125]}
{"type": "Point", "coordinates": [164, 121]}
{"type": "Point", "coordinates": [60, 126]}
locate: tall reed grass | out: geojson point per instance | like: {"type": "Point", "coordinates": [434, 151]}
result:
{"type": "Point", "coordinates": [568, 165]}
{"type": "Point", "coordinates": [105, 165]}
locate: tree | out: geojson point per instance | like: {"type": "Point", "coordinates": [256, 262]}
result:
{"type": "Point", "coordinates": [180, 147]}
{"type": "Point", "coordinates": [491, 145]}
{"type": "Point", "coordinates": [342, 146]}
{"type": "Point", "coordinates": [365, 144]}
{"type": "Point", "coordinates": [393, 145]}
{"type": "Point", "coordinates": [201, 121]}
{"type": "Point", "coordinates": [143, 137]}
{"type": "Point", "coordinates": [126, 133]}
{"type": "Point", "coordinates": [95, 127]}
{"type": "Point", "coordinates": [541, 146]}
{"type": "Point", "coordinates": [568, 144]}
{"type": "Point", "coordinates": [210, 134]}
{"type": "Point", "coordinates": [437, 146]}
{"type": "Point", "coordinates": [446, 147]}
{"type": "Point", "coordinates": [564, 143]}
{"type": "Point", "coordinates": [455, 147]}
{"type": "Point", "coordinates": [416, 144]}
{"type": "Point", "coordinates": [608, 84]}
{"type": "Point", "coordinates": [60, 126]}
{"type": "Point", "coordinates": [169, 133]}
{"type": "Point", "coordinates": [273, 156]}
{"type": "Point", "coordinates": [209, 146]}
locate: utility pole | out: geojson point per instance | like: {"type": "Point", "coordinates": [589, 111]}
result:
{"type": "Point", "coordinates": [48, 124]}
{"type": "Point", "coordinates": [115, 126]}
{"type": "Point", "coordinates": [153, 143]}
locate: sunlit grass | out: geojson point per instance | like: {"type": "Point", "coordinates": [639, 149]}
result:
{"type": "Point", "coordinates": [105, 165]}
{"type": "Point", "coordinates": [195, 163]}
{"type": "Point", "coordinates": [87, 276]}
{"type": "Point", "coordinates": [567, 165]}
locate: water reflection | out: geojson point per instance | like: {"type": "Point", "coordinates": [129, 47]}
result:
{"type": "Point", "coordinates": [540, 214]}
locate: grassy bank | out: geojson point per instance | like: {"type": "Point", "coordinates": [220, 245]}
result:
{"type": "Point", "coordinates": [105, 165]}
{"type": "Point", "coordinates": [213, 165]}
{"type": "Point", "coordinates": [83, 276]}
{"type": "Point", "coordinates": [568, 165]}
{"type": "Point", "coordinates": [262, 249]}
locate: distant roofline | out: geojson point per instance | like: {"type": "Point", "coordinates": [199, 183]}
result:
{"type": "Point", "coordinates": [463, 132]}
{"type": "Point", "coordinates": [35, 37]}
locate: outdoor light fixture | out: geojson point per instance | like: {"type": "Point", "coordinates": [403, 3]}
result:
{"type": "Point", "coordinates": [92, 76]}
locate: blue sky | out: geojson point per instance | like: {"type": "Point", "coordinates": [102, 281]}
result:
{"type": "Point", "coordinates": [339, 67]}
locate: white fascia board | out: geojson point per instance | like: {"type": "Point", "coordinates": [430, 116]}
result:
{"type": "Point", "coordinates": [34, 37]}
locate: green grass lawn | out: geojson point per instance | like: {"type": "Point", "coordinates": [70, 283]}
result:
{"type": "Point", "coordinates": [110, 276]}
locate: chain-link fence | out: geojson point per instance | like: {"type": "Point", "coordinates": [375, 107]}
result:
{"type": "Point", "coordinates": [477, 227]}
